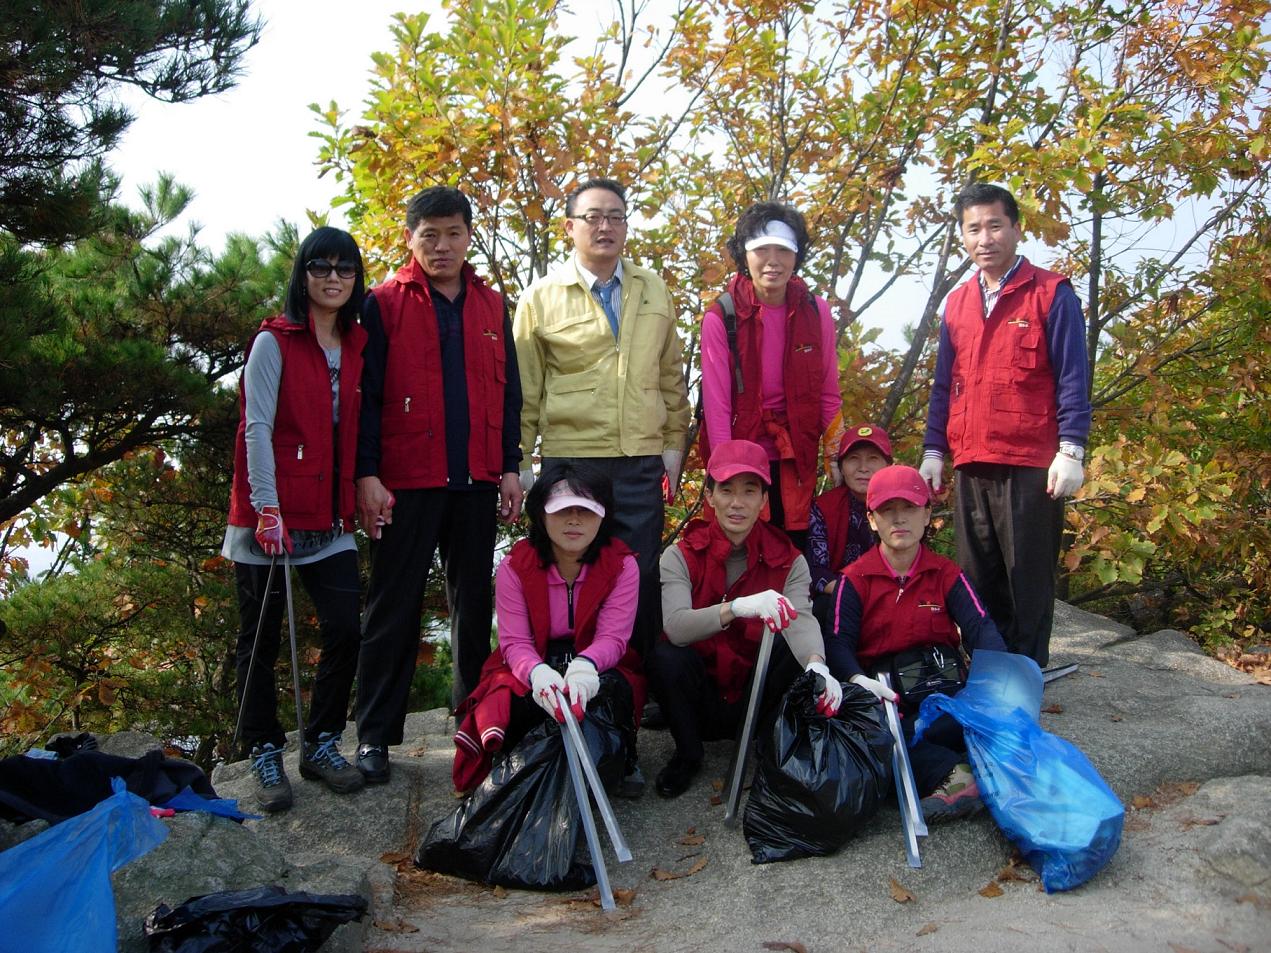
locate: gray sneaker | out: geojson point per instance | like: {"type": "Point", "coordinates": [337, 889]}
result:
{"type": "Point", "coordinates": [273, 790]}
{"type": "Point", "coordinates": [322, 761]}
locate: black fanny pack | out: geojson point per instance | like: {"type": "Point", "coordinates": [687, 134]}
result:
{"type": "Point", "coordinates": [918, 673]}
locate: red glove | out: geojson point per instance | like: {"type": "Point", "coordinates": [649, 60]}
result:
{"type": "Point", "coordinates": [271, 534]}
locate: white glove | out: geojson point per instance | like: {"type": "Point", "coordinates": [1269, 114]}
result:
{"type": "Point", "coordinates": [770, 606]}
{"type": "Point", "coordinates": [1065, 477]}
{"type": "Point", "coordinates": [544, 680]}
{"type": "Point", "coordinates": [875, 687]}
{"type": "Point", "coordinates": [583, 681]}
{"type": "Point", "coordinates": [527, 479]}
{"type": "Point", "coordinates": [672, 460]}
{"type": "Point", "coordinates": [932, 469]}
{"type": "Point", "coordinates": [830, 699]}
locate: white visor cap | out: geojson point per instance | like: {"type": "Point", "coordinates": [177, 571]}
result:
{"type": "Point", "coordinates": [775, 233]}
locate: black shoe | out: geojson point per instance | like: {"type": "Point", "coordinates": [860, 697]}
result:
{"type": "Point", "coordinates": [652, 718]}
{"type": "Point", "coordinates": [322, 761]}
{"type": "Point", "coordinates": [677, 776]}
{"type": "Point", "coordinates": [372, 761]}
{"type": "Point", "coordinates": [632, 784]}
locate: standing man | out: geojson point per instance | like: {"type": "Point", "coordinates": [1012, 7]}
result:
{"type": "Point", "coordinates": [437, 458]}
{"type": "Point", "coordinates": [603, 378]}
{"type": "Point", "coordinates": [1011, 401]}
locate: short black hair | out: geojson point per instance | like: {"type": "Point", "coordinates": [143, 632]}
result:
{"type": "Point", "coordinates": [609, 185]}
{"type": "Point", "coordinates": [752, 223]}
{"type": "Point", "coordinates": [438, 201]}
{"type": "Point", "coordinates": [981, 193]}
{"type": "Point", "coordinates": [325, 243]}
{"type": "Point", "coordinates": [583, 480]}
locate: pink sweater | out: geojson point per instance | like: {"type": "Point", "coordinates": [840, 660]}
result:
{"type": "Point", "coordinates": [613, 623]}
{"type": "Point", "coordinates": [717, 364]}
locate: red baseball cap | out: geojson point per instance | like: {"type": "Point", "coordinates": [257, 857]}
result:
{"type": "Point", "coordinates": [739, 456]}
{"type": "Point", "coordinates": [866, 433]}
{"type": "Point", "coordinates": [897, 483]}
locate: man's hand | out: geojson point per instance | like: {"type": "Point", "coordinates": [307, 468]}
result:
{"type": "Point", "coordinates": [374, 505]}
{"type": "Point", "coordinates": [672, 460]}
{"type": "Point", "coordinates": [831, 698]}
{"type": "Point", "coordinates": [510, 497]}
{"type": "Point", "coordinates": [771, 606]}
{"type": "Point", "coordinates": [1065, 476]}
{"type": "Point", "coordinates": [932, 469]}
{"type": "Point", "coordinates": [874, 687]}
{"type": "Point", "coordinates": [271, 534]}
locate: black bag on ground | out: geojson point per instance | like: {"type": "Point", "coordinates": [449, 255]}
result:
{"type": "Point", "coordinates": [257, 920]}
{"type": "Point", "coordinates": [520, 827]}
{"type": "Point", "coordinates": [817, 779]}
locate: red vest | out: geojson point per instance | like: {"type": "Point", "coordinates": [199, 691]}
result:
{"type": "Point", "coordinates": [836, 507]}
{"type": "Point", "coordinates": [1002, 406]}
{"type": "Point", "coordinates": [893, 618]}
{"type": "Point", "coordinates": [413, 421]}
{"type": "Point", "coordinates": [730, 654]}
{"type": "Point", "coordinates": [304, 451]}
{"type": "Point", "coordinates": [802, 373]}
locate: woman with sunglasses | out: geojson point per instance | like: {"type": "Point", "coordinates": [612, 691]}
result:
{"type": "Point", "coordinates": [769, 364]}
{"type": "Point", "coordinates": [292, 497]}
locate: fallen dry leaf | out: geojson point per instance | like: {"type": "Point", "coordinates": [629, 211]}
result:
{"type": "Point", "coordinates": [1094, 673]}
{"type": "Point", "coordinates": [1053, 709]}
{"type": "Point", "coordinates": [899, 893]}
{"type": "Point", "coordinates": [991, 889]}
{"type": "Point", "coordinates": [657, 873]}
{"type": "Point", "coordinates": [1236, 947]}
{"type": "Point", "coordinates": [1134, 824]}
{"type": "Point", "coordinates": [500, 892]}
{"type": "Point", "coordinates": [785, 945]}
{"type": "Point", "coordinates": [393, 859]}
{"type": "Point", "coordinates": [1115, 718]}
{"type": "Point", "coordinates": [1262, 903]}
{"type": "Point", "coordinates": [716, 800]}
{"type": "Point", "coordinates": [1179, 948]}
{"type": "Point", "coordinates": [929, 928]}
{"type": "Point", "coordinates": [1187, 823]}
{"type": "Point", "coordinates": [717, 784]}
{"type": "Point", "coordinates": [1141, 802]}
{"type": "Point", "coordinates": [624, 898]}
{"type": "Point", "coordinates": [395, 926]}
{"type": "Point", "coordinates": [1016, 871]}
{"type": "Point", "coordinates": [691, 840]}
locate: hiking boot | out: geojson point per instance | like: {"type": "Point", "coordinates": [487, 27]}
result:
{"type": "Point", "coordinates": [372, 761]}
{"type": "Point", "coordinates": [322, 761]}
{"type": "Point", "coordinates": [676, 778]}
{"type": "Point", "coordinates": [273, 790]}
{"type": "Point", "coordinates": [958, 796]}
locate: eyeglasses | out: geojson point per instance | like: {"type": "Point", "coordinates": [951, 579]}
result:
{"type": "Point", "coordinates": [321, 268]}
{"type": "Point", "coordinates": [593, 219]}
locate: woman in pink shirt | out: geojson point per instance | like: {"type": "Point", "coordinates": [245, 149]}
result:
{"type": "Point", "coordinates": [775, 379]}
{"type": "Point", "coordinates": [565, 598]}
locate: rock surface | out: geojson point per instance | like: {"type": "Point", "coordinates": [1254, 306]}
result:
{"type": "Point", "coordinates": [1182, 739]}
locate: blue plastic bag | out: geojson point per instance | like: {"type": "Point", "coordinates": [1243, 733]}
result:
{"type": "Point", "coordinates": [1044, 794]}
{"type": "Point", "coordinates": [55, 890]}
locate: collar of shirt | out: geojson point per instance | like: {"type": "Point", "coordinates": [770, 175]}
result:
{"type": "Point", "coordinates": [589, 279]}
{"type": "Point", "coordinates": [990, 297]}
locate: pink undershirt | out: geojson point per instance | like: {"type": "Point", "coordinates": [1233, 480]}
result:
{"type": "Point", "coordinates": [613, 624]}
{"type": "Point", "coordinates": [717, 392]}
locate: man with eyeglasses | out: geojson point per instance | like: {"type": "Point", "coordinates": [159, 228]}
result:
{"type": "Point", "coordinates": [603, 379]}
{"type": "Point", "coordinates": [437, 461]}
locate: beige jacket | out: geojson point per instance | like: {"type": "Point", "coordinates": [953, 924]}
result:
{"type": "Point", "coordinates": [587, 395]}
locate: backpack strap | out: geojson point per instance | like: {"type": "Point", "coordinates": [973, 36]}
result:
{"type": "Point", "coordinates": [729, 314]}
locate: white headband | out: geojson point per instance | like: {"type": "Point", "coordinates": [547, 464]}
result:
{"type": "Point", "coordinates": [775, 233]}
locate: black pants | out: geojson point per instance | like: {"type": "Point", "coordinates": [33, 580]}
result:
{"type": "Point", "coordinates": [691, 701]}
{"type": "Point", "coordinates": [1008, 531]}
{"type": "Point", "coordinates": [942, 748]}
{"type": "Point", "coordinates": [461, 524]}
{"type": "Point", "coordinates": [777, 511]}
{"type": "Point", "coordinates": [639, 513]}
{"type": "Point", "coordinates": [332, 584]}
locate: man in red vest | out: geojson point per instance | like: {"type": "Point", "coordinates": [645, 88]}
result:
{"type": "Point", "coordinates": [1011, 401]}
{"type": "Point", "coordinates": [722, 583]}
{"type": "Point", "coordinates": [438, 459]}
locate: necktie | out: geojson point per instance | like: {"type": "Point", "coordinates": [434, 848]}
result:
{"type": "Point", "coordinates": [603, 292]}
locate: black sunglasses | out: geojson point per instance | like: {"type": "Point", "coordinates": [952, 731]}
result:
{"type": "Point", "coordinates": [320, 268]}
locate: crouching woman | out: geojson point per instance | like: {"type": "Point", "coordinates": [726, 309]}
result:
{"type": "Point", "coordinates": [899, 609]}
{"type": "Point", "coordinates": [565, 598]}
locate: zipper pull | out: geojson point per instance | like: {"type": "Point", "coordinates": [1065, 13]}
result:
{"type": "Point", "coordinates": [569, 602]}
{"type": "Point", "coordinates": [300, 452]}
{"type": "Point", "coordinates": [407, 408]}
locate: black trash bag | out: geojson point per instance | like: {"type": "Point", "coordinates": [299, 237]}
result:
{"type": "Point", "coordinates": [263, 919]}
{"type": "Point", "coordinates": [521, 826]}
{"type": "Point", "coordinates": [817, 779]}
